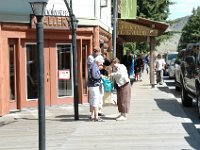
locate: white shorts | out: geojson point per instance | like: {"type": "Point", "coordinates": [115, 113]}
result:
{"type": "Point", "coordinates": [94, 94]}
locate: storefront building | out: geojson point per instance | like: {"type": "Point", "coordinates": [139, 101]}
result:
{"type": "Point", "coordinates": [18, 54]}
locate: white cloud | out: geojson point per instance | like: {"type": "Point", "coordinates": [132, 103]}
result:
{"type": "Point", "coordinates": [182, 8]}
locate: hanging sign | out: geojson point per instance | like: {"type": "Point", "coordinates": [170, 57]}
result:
{"type": "Point", "coordinates": [64, 74]}
{"type": "Point", "coordinates": [129, 28]}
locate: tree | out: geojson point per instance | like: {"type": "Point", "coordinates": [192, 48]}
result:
{"type": "Point", "coordinates": [191, 31]}
{"type": "Point", "coordinates": [157, 10]}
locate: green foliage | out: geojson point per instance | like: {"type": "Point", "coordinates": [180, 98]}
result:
{"type": "Point", "coordinates": [142, 47]}
{"type": "Point", "coordinates": [129, 45]}
{"type": "Point", "coordinates": [157, 10]}
{"type": "Point", "coordinates": [191, 31]}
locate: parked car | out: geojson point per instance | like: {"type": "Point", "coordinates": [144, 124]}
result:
{"type": "Point", "coordinates": [190, 76]}
{"type": "Point", "coordinates": [168, 57]}
{"type": "Point", "coordinates": [177, 69]}
{"type": "Point", "coordinates": [171, 69]}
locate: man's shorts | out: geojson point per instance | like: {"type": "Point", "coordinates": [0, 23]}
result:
{"type": "Point", "coordinates": [94, 94]}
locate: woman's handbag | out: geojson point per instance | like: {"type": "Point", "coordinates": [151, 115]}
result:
{"type": "Point", "coordinates": [107, 84]}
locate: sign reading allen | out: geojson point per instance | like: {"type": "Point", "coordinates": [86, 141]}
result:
{"type": "Point", "coordinates": [52, 22]}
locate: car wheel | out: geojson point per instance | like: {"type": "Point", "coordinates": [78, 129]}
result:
{"type": "Point", "coordinates": [176, 85]}
{"type": "Point", "coordinates": [178, 88]}
{"type": "Point", "coordinates": [198, 103]}
{"type": "Point", "coordinates": [186, 100]}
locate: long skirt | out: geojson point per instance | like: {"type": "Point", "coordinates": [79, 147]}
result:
{"type": "Point", "coordinates": [124, 98]}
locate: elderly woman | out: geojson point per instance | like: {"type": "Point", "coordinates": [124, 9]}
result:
{"type": "Point", "coordinates": [94, 83]}
{"type": "Point", "coordinates": [122, 80]}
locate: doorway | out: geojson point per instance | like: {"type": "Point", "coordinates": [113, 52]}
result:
{"type": "Point", "coordinates": [57, 72]}
{"type": "Point", "coordinates": [13, 69]}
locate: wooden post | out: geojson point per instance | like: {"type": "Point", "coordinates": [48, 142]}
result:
{"type": "Point", "coordinates": [152, 47]}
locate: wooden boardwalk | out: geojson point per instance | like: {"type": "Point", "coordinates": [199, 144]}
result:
{"type": "Point", "coordinates": [156, 122]}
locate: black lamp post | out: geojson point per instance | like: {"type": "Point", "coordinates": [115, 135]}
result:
{"type": "Point", "coordinates": [38, 9]}
{"type": "Point", "coordinates": [115, 16]}
{"type": "Point", "coordinates": [73, 25]}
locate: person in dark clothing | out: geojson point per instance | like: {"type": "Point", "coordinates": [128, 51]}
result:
{"type": "Point", "coordinates": [138, 65]}
{"type": "Point", "coordinates": [106, 63]}
{"type": "Point", "coordinates": [127, 61]}
{"type": "Point", "coordinates": [147, 62]}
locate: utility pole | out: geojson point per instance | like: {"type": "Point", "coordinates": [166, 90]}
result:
{"type": "Point", "coordinates": [115, 17]}
{"type": "Point", "coordinates": [73, 25]}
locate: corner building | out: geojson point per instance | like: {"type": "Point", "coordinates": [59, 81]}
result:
{"type": "Point", "coordinates": [18, 53]}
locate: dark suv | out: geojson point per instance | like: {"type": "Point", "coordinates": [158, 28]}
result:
{"type": "Point", "coordinates": [177, 69]}
{"type": "Point", "coordinates": [190, 76]}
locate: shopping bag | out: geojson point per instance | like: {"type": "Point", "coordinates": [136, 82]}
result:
{"type": "Point", "coordinates": [107, 84]}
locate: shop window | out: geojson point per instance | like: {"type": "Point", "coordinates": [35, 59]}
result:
{"type": "Point", "coordinates": [64, 69]}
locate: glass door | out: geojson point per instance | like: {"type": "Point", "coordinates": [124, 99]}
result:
{"type": "Point", "coordinates": [13, 93]}
{"type": "Point", "coordinates": [84, 69]}
{"type": "Point", "coordinates": [32, 74]}
{"type": "Point", "coordinates": [57, 73]}
{"type": "Point", "coordinates": [12, 45]}
{"type": "Point", "coordinates": [61, 72]}
{"type": "Point", "coordinates": [64, 63]}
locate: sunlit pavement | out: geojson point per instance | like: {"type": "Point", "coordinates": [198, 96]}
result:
{"type": "Point", "coordinates": [156, 121]}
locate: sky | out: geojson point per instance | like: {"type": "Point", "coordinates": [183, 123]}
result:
{"type": "Point", "coordinates": [182, 8]}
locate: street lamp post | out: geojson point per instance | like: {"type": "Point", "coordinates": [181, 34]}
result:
{"type": "Point", "coordinates": [73, 26]}
{"type": "Point", "coordinates": [38, 9]}
{"type": "Point", "coordinates": [115, 17]}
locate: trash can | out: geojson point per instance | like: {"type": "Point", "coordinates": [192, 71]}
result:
{"type": "Point", "coordinates": [154, 82]}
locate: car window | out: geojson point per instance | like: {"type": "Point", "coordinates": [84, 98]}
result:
{"type": "Point", "coordinates": [198, 52]}
{"type": "Point", "coordinates": [172, 56]}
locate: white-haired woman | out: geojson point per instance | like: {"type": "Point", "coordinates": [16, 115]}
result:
{"type": "Point", "coordinates": [94, 81]}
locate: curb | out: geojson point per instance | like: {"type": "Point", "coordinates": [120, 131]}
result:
{"type": "Point", "coordinates": [7, 120]}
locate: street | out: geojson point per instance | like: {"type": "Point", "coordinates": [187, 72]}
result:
{"type": "Point", "coordinates": [191, 112]}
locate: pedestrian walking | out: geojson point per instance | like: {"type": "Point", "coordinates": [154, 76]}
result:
{"type": "Point", "coordinates": [139, 65]}
{"type": "Point", "coordinates": [147, 63]}
{"type": "Point", "coordinates": [122, 81]}
{"type": "Point", "coordinates": [160, 64]}
{"type": "Point", "coordinates": [127, 61]}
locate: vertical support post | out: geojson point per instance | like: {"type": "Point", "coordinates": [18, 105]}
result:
{"type": "Point", "coordinates": [115, 17]}
{"type": "Point", "coordinates": [41, 98]}
{"type": "Point", "coordinates": [71, 4]}
{"type": "Point", "coordinates": [152, 47]}
{"type": "Point", "coordinates": [73, 22]}
{"type": "Point", "coordinates": [75, 77]}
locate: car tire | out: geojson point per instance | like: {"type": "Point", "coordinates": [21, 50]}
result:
{"type": "Point", "coordinates": [198, 102]}
{"type": "Point", "coordinates": [178, 88]}
{"type": "Point", "coordinates": [185, 99]}
{"type": "Point", "coordinates": [198, 106]}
